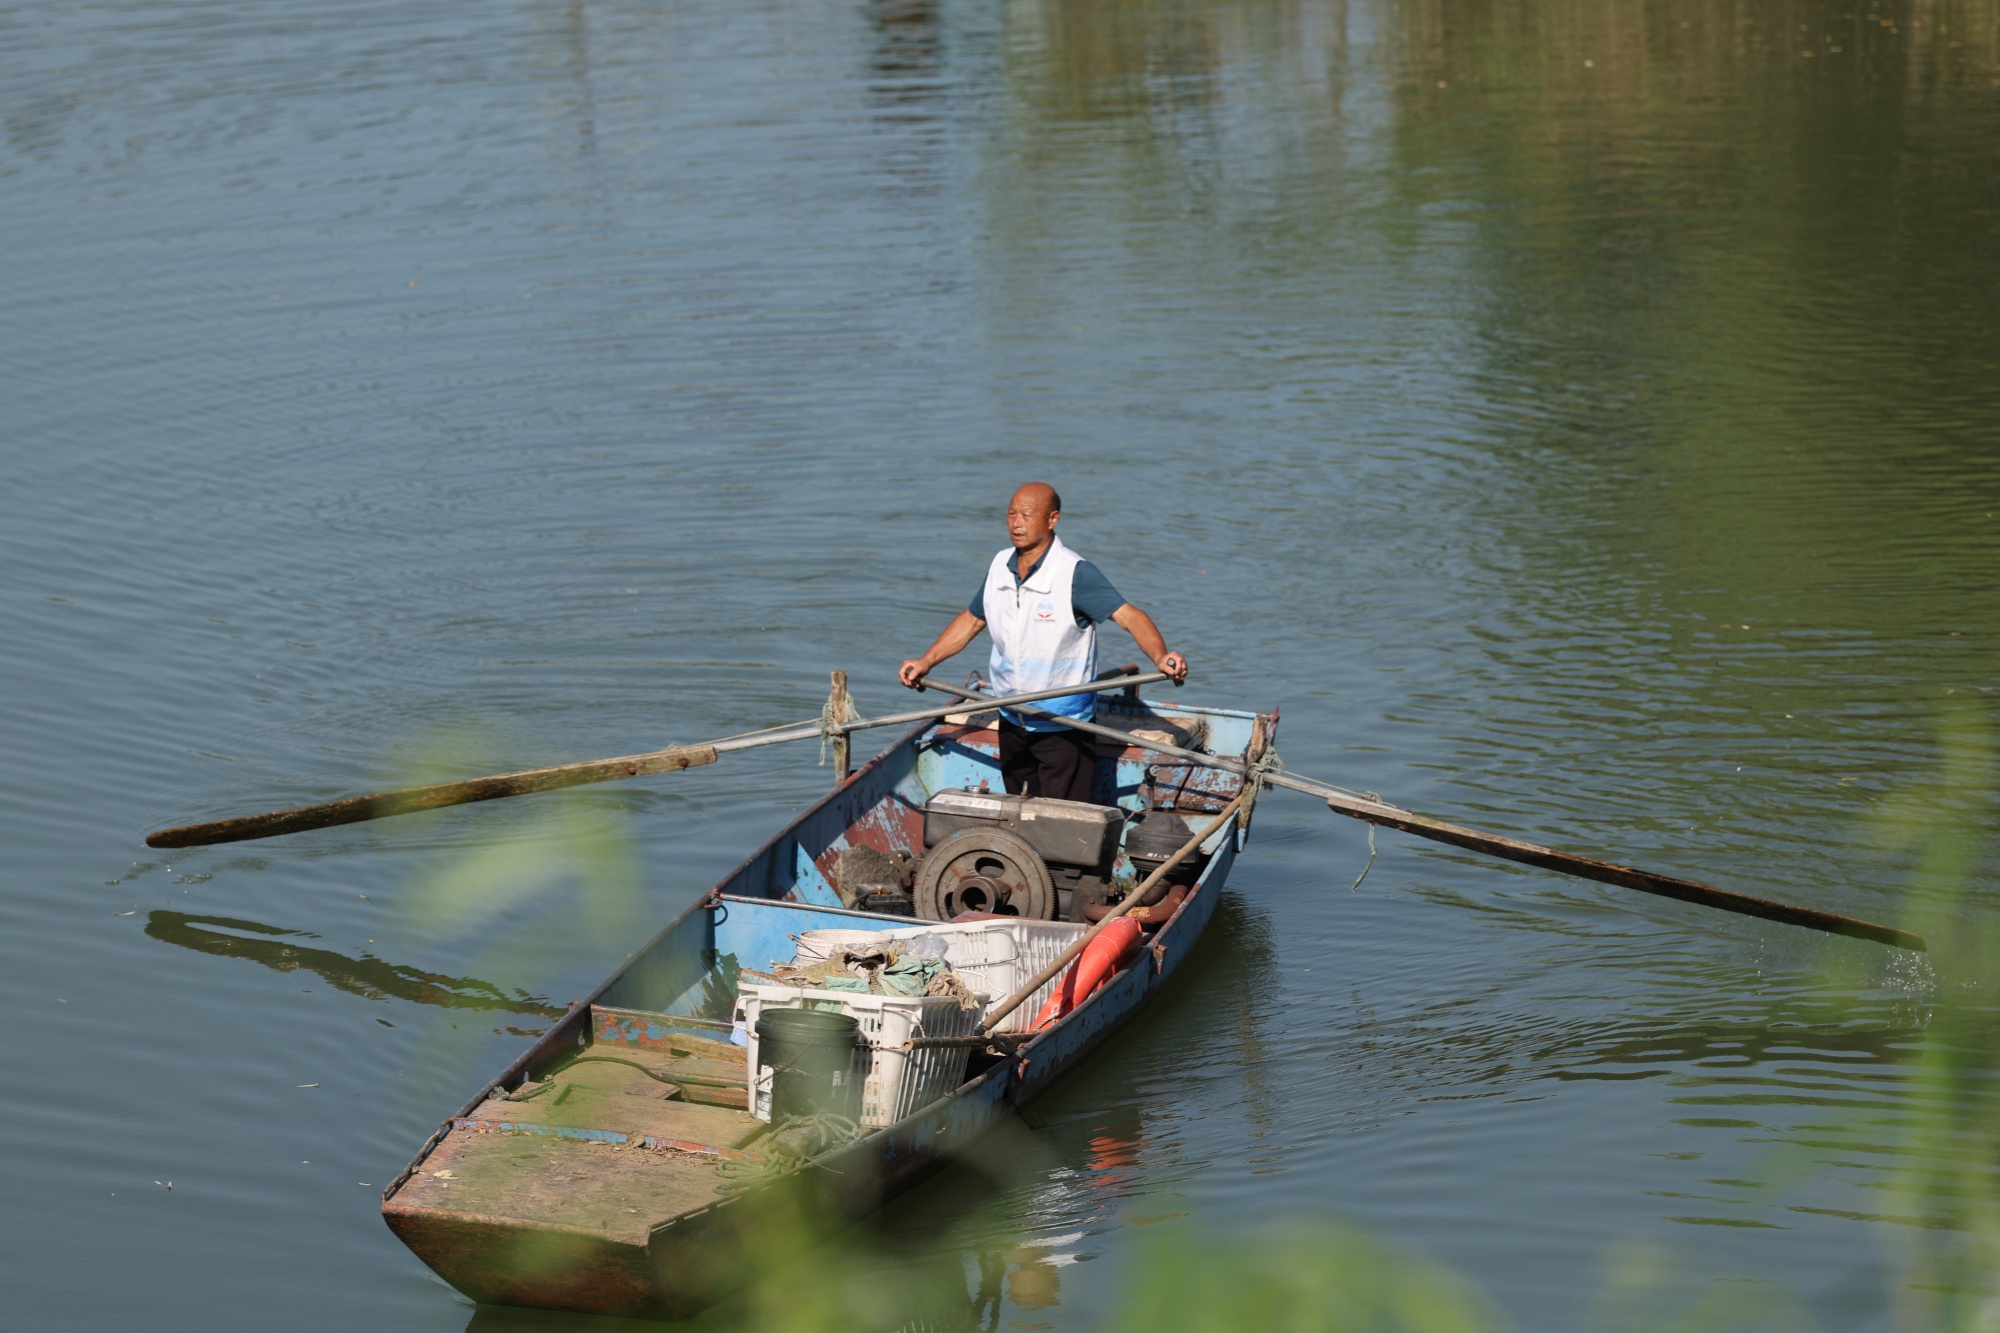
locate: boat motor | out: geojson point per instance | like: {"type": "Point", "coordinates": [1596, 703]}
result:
{"type": "Point", "coordinates": [1028, 856]}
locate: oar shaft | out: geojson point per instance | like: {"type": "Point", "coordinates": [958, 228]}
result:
{"type": "Point", "coordinates": [380, 805]}
{"type": "Point", "coordinates": [1512, 849]}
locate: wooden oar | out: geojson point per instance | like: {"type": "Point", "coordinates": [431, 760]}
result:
{"type": "Point", "coordinates": [380, 805]}
{"type": "Point", "coordinates": [355, 809]}
{"type": "Point", "coordinates": [1512, 849]}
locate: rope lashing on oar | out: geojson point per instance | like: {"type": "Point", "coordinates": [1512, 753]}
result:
{"type": "Point", "coordinates": [1255, 778]}
{"type": "Point", "coordinates": [833, 723]}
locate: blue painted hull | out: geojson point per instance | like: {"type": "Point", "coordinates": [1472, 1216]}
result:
{"type": "Point", "coordinates": [688, 971]}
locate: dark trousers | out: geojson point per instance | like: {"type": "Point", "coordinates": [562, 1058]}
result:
{"type": "Point", "coordinates": [1061, 764]}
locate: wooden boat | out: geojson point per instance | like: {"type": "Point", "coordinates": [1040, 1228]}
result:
{"type": "Point", "coordinates": [611, 1194]}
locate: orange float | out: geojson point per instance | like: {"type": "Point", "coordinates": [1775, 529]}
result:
{"type": "Point", "coordinates": [1113, 944]}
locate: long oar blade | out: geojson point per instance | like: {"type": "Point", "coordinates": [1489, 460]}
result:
{"type": "Point", "coordinates": [355, 809]}
{"type": "Point", "coordinates": [1512, 849]}
{"type": "Point", "coordinates": [1645, 881]}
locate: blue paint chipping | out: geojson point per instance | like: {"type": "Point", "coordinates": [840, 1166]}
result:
{"type": "Point", "coordinates": [550, 1131]}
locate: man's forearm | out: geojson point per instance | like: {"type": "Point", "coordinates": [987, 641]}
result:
{"type": "Point", "coordinates": [1147, 635]}
{"type": "Point", "coordinates": [962, 630]}
{"type": "Point", "coordinates": [1143, 631]}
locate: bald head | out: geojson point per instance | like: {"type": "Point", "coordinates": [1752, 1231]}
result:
{"type": "Point", "coordinates": [1039, 494]}
{"type": "Point", "coordinates": [1031, 518]}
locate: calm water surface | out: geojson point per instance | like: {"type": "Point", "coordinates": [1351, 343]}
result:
{"type": "Point", "coordinates": [1580, 418]}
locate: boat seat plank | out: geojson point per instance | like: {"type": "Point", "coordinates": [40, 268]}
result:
{"type": "Point", "coordinates": [1189, 733]}
{"type": "Point", "coordinates": [667, 1033]}
{"type": "Point", "coordinates": [697, 1069]}
{"type": "Point", "coordinates": [715, 1072]}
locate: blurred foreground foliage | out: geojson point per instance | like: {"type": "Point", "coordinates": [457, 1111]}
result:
{"type": "Point", "coordinates": [1309, 1276]}
{"type": "Point", "coordinates": [1302, 1276]}
{"type": "Point", "coordinates": [1946, 1197]}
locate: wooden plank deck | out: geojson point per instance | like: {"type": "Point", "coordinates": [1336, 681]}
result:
{"type": "Point", "coordinates": [608, 1148]}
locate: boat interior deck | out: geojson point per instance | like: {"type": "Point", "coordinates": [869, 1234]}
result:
{"type": "Point", "coordinates": [617, 1139]}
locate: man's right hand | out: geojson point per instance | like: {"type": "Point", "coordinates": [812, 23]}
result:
{"type": "Point", "coordinates": [913, 673]}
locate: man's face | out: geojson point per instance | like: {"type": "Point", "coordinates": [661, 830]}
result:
{"type": "Point", "coordinates": [1030, 520]}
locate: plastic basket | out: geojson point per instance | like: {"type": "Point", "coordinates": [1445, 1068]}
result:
{"type": "Point", "coordinates": [991, 957]}
{"type": "Point", "coordinates": [997, 956]}
{"type": "Point", "coordinates": [899, 1081]}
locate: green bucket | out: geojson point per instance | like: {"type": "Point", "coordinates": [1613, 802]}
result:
{"type": "Point", "coordinates": [818, 1062]}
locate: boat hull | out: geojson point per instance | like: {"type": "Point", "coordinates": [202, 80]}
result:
{"type": "Point", "coordinates": [678, 1265]}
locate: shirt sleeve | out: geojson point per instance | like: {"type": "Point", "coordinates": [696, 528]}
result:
{"type": "Point", "coordinates": [1090, 593]}
{"type": "Point", "coordinates": [978, 603]}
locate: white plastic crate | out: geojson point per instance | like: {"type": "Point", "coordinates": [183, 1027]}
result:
{"type": "Point", "coordinates": [997, 956]}
{"type": "Point", "coordinates": [899, 1081]}
{"type": "Point", "coordinates": [991, 957]}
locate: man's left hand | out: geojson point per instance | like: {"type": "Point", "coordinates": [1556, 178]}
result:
{"type": "Point", "coordinates": [1175, 666]}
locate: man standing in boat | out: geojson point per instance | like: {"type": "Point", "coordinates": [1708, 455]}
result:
{"type": "Point", "coordinates": [1043, 603]}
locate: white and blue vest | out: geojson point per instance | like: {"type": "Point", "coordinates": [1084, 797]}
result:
{"type": "Point", "coordinates": [1037, 644]}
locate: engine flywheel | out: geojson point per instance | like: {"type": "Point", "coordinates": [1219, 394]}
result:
{"type": "Point", "coordinates": [984, 870]}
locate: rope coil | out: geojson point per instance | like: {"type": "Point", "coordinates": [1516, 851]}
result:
{"type": "Point", "coordinates": [789, 1147]}
{"type": "Point", "coordinates": [1255, 778]}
